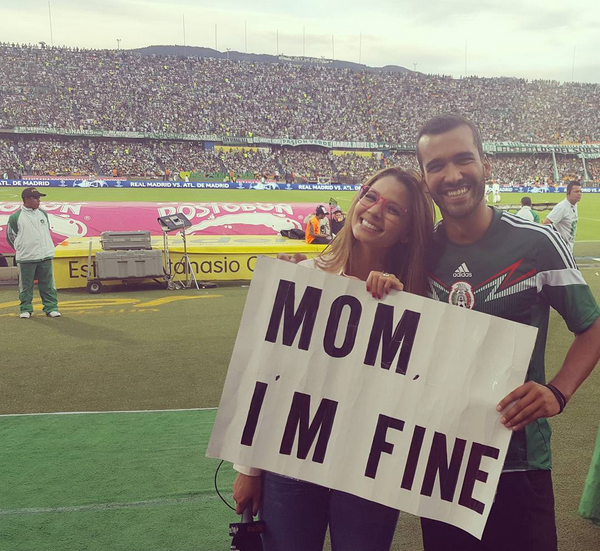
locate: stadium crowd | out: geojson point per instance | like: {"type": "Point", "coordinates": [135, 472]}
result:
{"type": "Point", "coordinates": [169, 159]}
{"type": "Point", "coordinates": [128, 91]}
{"type": "Point", "coordinates": [107, 90]}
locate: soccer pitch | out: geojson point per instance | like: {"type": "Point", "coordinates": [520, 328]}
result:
{"type": "Point", "coordinates": [139, 481]}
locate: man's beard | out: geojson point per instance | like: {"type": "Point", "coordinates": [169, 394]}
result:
{"type": "Point", "coordinates": [475, 193]}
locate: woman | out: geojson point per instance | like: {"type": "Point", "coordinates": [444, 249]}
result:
{"type": "Point", "coordinates": [384, 241]}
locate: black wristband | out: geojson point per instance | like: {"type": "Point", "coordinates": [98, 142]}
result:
{"type": "Point", "coordinates": [560, 397]}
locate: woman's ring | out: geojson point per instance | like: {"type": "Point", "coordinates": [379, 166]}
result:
{"type": "Point", "coordinates": [385, 274]}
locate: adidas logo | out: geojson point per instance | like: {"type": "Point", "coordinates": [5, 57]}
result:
{"type": "Point", "coordinates": [462, 271]}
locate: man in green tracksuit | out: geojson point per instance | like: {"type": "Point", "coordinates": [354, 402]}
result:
{"type": "Point", "coordinates": [28, 233]}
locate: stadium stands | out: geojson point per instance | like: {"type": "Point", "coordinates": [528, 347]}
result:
{"type": "Point", "coordinates": [104, 91]}
{"type": "Point", "coordinates": [126, 158]}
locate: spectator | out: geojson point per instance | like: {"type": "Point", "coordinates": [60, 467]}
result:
{"type": "Point", "coordinates": [337, 222]}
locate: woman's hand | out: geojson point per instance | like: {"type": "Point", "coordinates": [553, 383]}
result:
{"type": "Point", "coordinates": [247, 491]}
{"type": "Point", "coordinates": [296, 259]}
{"type": "Point", "coordinates": [380, 284]}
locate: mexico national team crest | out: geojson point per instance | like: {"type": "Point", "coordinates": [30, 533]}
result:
{"type": "Point", "coordinates": [461, 294]}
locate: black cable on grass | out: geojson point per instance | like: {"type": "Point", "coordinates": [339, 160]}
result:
{"type": "Point", "coordinates": [217, 489]}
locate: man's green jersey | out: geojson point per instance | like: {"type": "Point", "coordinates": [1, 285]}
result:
{"type": "Point", "coordinates": [516, 271]}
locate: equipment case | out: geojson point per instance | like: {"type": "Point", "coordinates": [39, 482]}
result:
{"type": "Point", "coordinates": [129, 264]}
{"type": "Point", "coordinates": [125, 240]}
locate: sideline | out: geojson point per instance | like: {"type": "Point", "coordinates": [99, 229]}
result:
{"type": "Point", "coordinates": [99, 412]}
{"type": "Point", "coordinates": [108, 506]}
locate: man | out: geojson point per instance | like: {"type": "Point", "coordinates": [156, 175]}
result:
{"type": "Point", "coordinates": [564, 216]}
{"type": "Point", "coordinates": [337, 223]}
{"type": "Point", "coordinates": [496, 192]}
{"type": "Point", "coordinates": [313, 233]}
{"type": "Point", "coordinates": [526, 212]}
{"type": "Point", "coordinates": [325, 227]}
{"type": "Point", "coordinates": [28, 233]}
{"type": "Point", "coordinates": [495, 263]}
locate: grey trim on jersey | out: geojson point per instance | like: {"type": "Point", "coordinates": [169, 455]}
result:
{"type": "Point", "coordinates": [559, 243]}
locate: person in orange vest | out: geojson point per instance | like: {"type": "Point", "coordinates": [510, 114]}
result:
{"type": "Point", "coordinates": [313, 232]}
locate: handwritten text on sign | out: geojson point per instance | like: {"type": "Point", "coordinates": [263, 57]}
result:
{"type": "Point", "coordinates": [391, 400]}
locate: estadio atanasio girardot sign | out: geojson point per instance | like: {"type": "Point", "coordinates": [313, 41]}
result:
{"type": "Point", "coordinates": [392, 400]}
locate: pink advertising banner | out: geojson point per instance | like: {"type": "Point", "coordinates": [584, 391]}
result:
{"type": "Point", "coordinates": [91, 219]}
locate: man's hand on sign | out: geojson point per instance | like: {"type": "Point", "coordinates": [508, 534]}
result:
{"type": "Point", "coordinates": [380, 283]}
{"type": "Point", "coordinates": [533, 401]}
{"type": "Point", "coordinates": [293, 259]}
{"type": "Point", "coordinates": [247, 490]}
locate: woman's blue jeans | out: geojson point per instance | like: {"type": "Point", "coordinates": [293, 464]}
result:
{"type": "Point", "coordinates": [297, 515]}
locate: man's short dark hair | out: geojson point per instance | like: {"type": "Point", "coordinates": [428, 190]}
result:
{"type": "Point", "coordinates": [571, 184]}
{"type": "Point", "coordinates": [526, 201]}
{"type": "Point", "coordinates": [444, 123]}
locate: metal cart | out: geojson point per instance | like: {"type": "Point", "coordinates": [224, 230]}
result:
{"type": "Point", "coordinates": [125, 256]}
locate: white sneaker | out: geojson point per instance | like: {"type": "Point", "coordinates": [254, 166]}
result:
{"type": "Point", "coordinates": [53, 314]}
{"type": "Point", "coordinates": [25, 315]}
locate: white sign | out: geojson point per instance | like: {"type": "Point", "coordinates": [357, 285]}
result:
{"type": "Point", "coordinates": [393, 400]}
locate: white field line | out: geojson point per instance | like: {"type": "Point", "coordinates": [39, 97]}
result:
{"type": "Point", "coordinates": [106, 506]}
{"type": "Point", "coordinates": [99, 412]}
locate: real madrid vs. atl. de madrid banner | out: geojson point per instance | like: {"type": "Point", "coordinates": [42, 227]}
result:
{"type": "Point", "coordinates": [392, 400]}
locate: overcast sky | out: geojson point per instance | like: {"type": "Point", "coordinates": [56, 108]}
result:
{"type": "Point", "coordinates": [530, 39]}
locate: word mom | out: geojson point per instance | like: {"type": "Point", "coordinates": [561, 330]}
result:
{"type": "Point", "coordinates": [394, 342]}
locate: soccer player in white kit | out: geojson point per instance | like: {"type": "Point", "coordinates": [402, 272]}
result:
{"type": "Point", "coordinates": [496, 192]}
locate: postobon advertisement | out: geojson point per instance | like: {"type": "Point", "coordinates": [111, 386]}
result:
{"type": "Point", "coordinates": [82, 219]}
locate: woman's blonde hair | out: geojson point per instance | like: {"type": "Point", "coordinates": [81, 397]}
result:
{"type": "Point", "coordinates": [407, 261]}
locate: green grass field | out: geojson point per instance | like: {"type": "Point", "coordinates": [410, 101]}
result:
{"type": "Point", "coordinates": [139, 481]}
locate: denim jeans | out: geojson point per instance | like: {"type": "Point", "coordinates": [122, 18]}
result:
{"type": "Point", "coordinates": [297, 515]}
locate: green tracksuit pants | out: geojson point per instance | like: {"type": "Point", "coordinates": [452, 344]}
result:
{"type": "Point", "coordinates": [42, 271]}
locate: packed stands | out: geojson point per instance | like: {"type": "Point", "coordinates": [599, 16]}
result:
{"type": "Point", "coordinates": [134, 159]}
{"type": "Point", "coordinates": [349, 166]}
{"type": "Point", "coordinates": [127, 91]}
{"type": "Point", "coordinates": [593, 167]}
{"type": "Point", "coordinates": [165, 160]}
{"type": "Point", "coordinates": [249, 163]}
{"type": "Point", "coordinates": [187, 157]}
{"type": "Point", "coordinates": [9, 160]}
{"type": "Point", "coordinates": [56, 157]}
{"type": "Point", "coordinates": [306, 165]}
{"type": "Point", "coordinates": [103, 91]}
